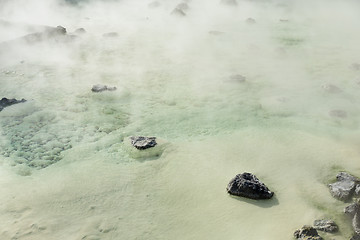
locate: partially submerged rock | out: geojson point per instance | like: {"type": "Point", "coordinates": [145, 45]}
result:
{"type": "Point", "coordinates": [250, 21]}
{"type": "Point", "coordinates": [178, 12]}
{"type": "Point", "coordinates": [355, 66]}
{"type": "Point", "coordinates": [101, 88]}
{"type": "Point", "coordinates": [353, 211]}
{"type": "Point", "coordinates": [110, 35]}
{"type": "Point", "coordinates": [326, 225]}
{"type": "Point", "coordinates": [183, 6]}
{"type": "Point", "coordinates": [344, 188]}
{"type": "Point", "coordinates": [56, 34]}
{"type": "Point", "coordinates": [144, 148]}
{"type": "Point", "coordinates": [142, 143]}
{"type": "Point", "coordinates": [355, 237]}
{"type": "Point", "coordinates": [80, 31]}
{"type": "Point", "coordinates": [237, 78]}
{"type": "Point", "coordinates": [307, 233]}
{"type": "Point", "coordinates": [5, 102]}
{"type": "Point", "coordinates": [249, 186]}
{"type": "Point", "coordinates": [330, 88]}
{"type": "Point", "coordinates": [337, 113]}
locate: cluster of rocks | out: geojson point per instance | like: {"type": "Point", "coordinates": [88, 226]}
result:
{"type": "Point", "coordinates": [249, 186]}
{"type": "Point", "coordinates": [5, 102]}
{"type": "Point", "coordinates": [344, 189]}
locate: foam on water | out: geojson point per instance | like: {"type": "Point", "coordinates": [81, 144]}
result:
{"type": "Point", "coordinates": [67, 167]}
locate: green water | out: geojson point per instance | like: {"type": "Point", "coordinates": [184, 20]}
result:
{"type": "Point", "coordinates": [68, 170]}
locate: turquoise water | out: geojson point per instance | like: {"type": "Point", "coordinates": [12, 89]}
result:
{"type": "Point", "coordinates": [68, 170]}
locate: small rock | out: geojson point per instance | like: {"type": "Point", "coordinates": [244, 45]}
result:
{"type": "Point", "coordinates": [331, 88]}
{"type": "Point", "coordinates": [338, 113]}
{"type": "Point", "coordinates": [249, 186]}
{"type": "Point", "coordinates": [325, 225]}
{"type": "Point", "coordinates": [237, 78]}
{"type": "Point", "coordinates": [183, 6]}
{"type": "Point", "coordinates": [307, 233]}
{"type": "Point", "coordinates": [142, 143]}
{"type": "Point", "coordinates": [355, 66]}
{"type": "Point", "coordinates": [101, 88]}
{"type": "Point", "coordinates": [5, 102]}
{"type": "Point", "coordinates": [216, 33]}
{"type": "Point", "coordinates": [80, 31]}
{"type": "Point", "coordinates": [356, 222]}
{"type": "Point", "coordinates": [110, 35]}
{"type": "Point", "coordinates": [178, 12]}
{"type": "Point", "coordinates": [250, 21]}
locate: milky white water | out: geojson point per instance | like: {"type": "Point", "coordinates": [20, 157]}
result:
{"type": "Point", "coordinates": [67, 170]}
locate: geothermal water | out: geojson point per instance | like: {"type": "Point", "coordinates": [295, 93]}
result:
{"type": "Point", "coordinates": [67, 170]}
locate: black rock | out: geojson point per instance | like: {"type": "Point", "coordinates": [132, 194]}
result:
{"type": "Point", "coordinates": [5, 102]}
{"type": "Point", "coordinates": [355, 237]}
{"type": "Point", "coordinates": [249, 186]}
{"type": "Point", "coordinates": [142, 143]}
{"type": "Point", "coordinates": [101, 88]}
{"type": "Point", "coordinates": [325, 225]}
{"type": "Point", "coordinates": [307, 233]}
{"type": "Point", "coordinates": [344, 188]}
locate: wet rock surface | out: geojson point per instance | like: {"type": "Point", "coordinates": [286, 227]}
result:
{"type": "Point", "coordinates": [102, 88]}
{"type": "Point", "coordinates": [249, 186]}
{"type": "Point", "coordinates": [142, 143]}
{"type": "Point", "coordinates": [5, 102]}
{"type": "Point", "coordinates": [326, 225]}
{"type": "Point", "coordinates": [344, 188]}
{"type": "Point", "coordinates": [307, 233]}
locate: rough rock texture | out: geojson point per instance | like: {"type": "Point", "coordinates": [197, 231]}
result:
{"type": "Point", "coordinates": [307, 233]}
{"type": "Point", "coordinates": [344, 188]}
{"type": "Point", "coordinates": [5, 102]}
{"type": "Point", "coordinates": [357, 190]}
{"type": "Point", "coordinates": [249, 186]}
{"type": "Point", "coordinates": [142, 143]}
{"type": "Point", "coordinates": [325, 225]}
{"type": "Point", "coordinates": [101, 88]}
{"type": "Point", "coordinates": [353, 211]}
{"type": "Point", "coordinates": [58, 34]}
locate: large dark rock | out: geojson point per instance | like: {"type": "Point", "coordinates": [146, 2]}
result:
{"type": "Point", "coordinates": [101, 88]}
{"type": "Point", "coordinates": [344, 188]}
{"type": "Point", "coordinates": [325, 225]}
{"type": "Point", "coordinates": [355, 237]}
{"type": "Point", "coordinates": [142, 143]}
{"type": "Point", "coordinates": [307, 233]}
{"type": "Point", "coordinates": [249, 186]}
{"type": "Point", "coordinates": [5, 102]}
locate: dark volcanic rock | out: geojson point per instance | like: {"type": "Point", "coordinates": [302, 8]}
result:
{"type": "Point", "coordinates": [307, 233]}
{"type": "Point", "coordinates": [101, 88]}
{"type": "Point", "coordinates": [352, 209]}
{"type": "Point", "coordinates": [355, 237]}
{"type": "Point", "coordinates": [5, 102]}
{"type": "Point", "coordinates": [344, 188]}
{"type": "Point", "coordinates": [249, 186]}
{"type": "Point", "coordinates": [325, 225]}
{"type": "Point", "coordinates": [142, 143]}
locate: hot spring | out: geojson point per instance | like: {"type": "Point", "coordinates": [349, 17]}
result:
{"type": "Point", "coordinates": [264, 86]}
